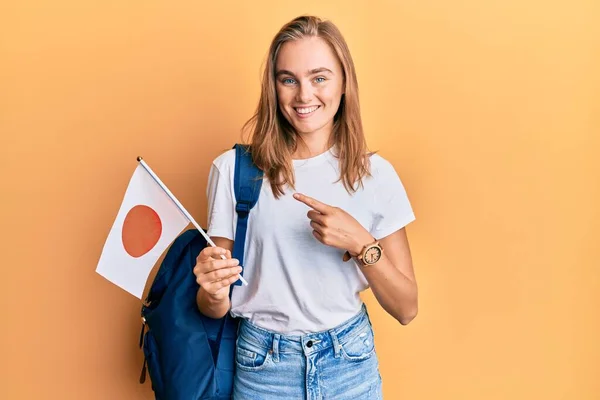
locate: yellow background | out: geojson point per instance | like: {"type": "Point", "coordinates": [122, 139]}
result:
{"type": "Point", "coordinates": [489, 111]}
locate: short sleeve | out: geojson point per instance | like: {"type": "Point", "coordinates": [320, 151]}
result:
{"type": "Point", "coordinates": [392, 208]}
{"type": "Point", "coordinates": [220, 199]}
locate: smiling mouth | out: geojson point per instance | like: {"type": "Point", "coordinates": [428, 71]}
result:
{"type": "Point", "coordinates": [306, 111]}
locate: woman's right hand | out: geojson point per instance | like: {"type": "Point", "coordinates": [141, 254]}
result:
{"type": "Point", "coordinates": [215, 275]}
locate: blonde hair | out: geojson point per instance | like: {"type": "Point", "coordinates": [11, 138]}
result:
{"type": "Point", "coordinates": [274, 140]}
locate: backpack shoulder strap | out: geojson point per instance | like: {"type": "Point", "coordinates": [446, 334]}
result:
{"type": "Point", "coordinates": [247, 183]}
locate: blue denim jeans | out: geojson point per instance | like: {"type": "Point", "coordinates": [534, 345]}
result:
{"type": "Point", "coordinates": [339, 364]}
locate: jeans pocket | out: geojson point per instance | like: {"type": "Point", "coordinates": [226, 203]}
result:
{"type": "Point", "coordinates": [249, 357]}
{"type": "Point", "coordinates": [360, 345]}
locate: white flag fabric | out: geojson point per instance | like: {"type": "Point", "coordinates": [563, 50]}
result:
{"type": "Point", "coordinates": [147, 223]}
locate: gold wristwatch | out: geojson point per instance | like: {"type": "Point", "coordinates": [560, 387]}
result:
{"type": "Point", "coordinates": [369, 255]}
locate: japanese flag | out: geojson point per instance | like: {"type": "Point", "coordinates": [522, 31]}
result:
{"type": "Point", "coordinates": [147, 223]}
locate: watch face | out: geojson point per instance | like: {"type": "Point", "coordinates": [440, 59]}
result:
{"type": "Point", "coordinates": [372, 255]}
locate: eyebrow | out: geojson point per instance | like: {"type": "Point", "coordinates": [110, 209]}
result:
{"type": "Point", "coordinates": [311, 72]}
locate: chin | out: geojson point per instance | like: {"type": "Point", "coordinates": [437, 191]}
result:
{"type": "Point", "coordinates": [304, 130]}
{"type": "Point", "coordinates": [307, 129]}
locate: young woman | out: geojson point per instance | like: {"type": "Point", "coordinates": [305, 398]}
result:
{"type": "Point", "coordinates": [329, 223]}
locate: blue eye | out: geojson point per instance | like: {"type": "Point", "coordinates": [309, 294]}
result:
{"type": "Point", "coordinates": [320, 79]}
{"type": "Point", "coordinates": [288, 81]}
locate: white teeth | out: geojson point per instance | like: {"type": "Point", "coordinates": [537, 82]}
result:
{"type": "Point", "coordinates": [307, 110]}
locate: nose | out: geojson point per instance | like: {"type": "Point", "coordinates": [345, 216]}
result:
{"type": "Point", "coordinates": [304, 93]}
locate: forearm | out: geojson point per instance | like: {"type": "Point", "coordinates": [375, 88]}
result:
{"type": "Point", "coordinates": [211, 307]}
{"type": "Point", "coordinates": [396, 293]}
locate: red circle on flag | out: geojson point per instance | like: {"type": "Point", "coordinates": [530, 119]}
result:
{"type": "Point", "coordinates": [141, 230]}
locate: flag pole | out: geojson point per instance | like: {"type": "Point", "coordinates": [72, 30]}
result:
{"type": "Point", "coordinates": [181, 207]}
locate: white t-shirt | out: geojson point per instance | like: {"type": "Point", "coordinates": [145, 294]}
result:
{"type": "Point", "coordinates": [298, 285]}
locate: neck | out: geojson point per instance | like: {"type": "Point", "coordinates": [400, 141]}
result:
{"type": "Point", "coordinates": [312, 144]}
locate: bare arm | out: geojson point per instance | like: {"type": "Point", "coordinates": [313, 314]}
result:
{"type": "Point", "coordinates": [392, 279]}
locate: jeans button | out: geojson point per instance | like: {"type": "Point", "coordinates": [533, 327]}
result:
{"type": "Point", "coordinates": [309, 344]}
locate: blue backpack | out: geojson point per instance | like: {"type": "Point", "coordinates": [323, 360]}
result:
{"type": "Point", "coordinates": [190, 356]}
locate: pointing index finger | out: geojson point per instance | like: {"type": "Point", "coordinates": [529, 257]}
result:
{"type": "Point", "coordinates": [312, 203]}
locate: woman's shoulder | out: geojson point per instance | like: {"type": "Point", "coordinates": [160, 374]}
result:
{"type": "Point", "coordinates": [225, 161]}
{"type": "Point", "coordinates": [380, 166]}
